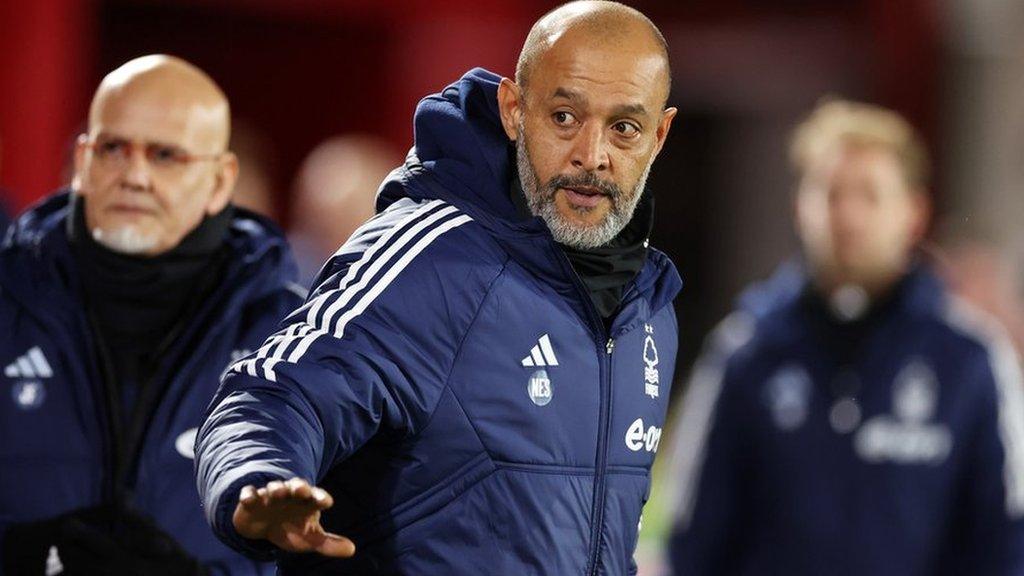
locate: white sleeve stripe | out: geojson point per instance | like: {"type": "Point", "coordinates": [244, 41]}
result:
{"type": "Point", "coordinates": [373, 228]}
{"type": "Point", "coordinates": [291, 344]}
{"type": "Point", "coordinates": [325, 325]}
{"type": "Point", "coordinates": [368, 256]}
{"type": "Point", "coordinates": [269, 345]}
{"type": "Point", "coordinates": [691, 437]}
{"type": "Point", "coordinates": [394, 272]}
{"type": "Point", "coordinates": [699, 405]}
{"type": "Point", "coordinates": [1006, 372]}
{"type": "Point", "coordinates": [378, 288]}
{"type": "Point", "coordinates": [378, 264]}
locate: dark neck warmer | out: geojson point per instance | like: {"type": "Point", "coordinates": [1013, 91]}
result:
{"type": "Point", "coordinates": [138, 305]}
{"type": "Point", "coordinates": [607, 269]}
{"type": "Point", "coordinates": [846, 338]}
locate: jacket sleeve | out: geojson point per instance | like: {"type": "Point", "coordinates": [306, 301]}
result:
{"type": "Point", "coordinates": [988, 536]}
{"type": "Point", "coordinates": [364, 356]}
{"type": "Point", "coordinates": [708, 459]}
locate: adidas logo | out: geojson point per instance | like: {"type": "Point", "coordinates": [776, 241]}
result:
{"type": "Point", "coordinates": [542, 354]}
{"type": "Point", "coordinates": [32, 364]}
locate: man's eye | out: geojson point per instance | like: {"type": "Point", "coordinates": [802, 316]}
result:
{"type": "Point", "coordinates": [165, 154]}
{"type": "Point", "coordinates": [563, 118]}
{"type": "Point", "coordinates": [627, 129]}
{"type": "Point", "coordinates": [111, 148]}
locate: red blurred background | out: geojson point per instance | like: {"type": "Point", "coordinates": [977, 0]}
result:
{"type": "Point", "coordinates": [303, 70]}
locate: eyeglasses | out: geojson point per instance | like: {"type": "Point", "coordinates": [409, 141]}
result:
{"type": "Point", "coordinates": [116, 152]}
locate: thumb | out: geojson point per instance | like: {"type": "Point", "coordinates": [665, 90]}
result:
{"type": "Point", "coordinates": [336, 546]}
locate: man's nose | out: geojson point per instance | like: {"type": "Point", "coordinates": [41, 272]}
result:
{"type": "Point", "coordinates": [137, 172]}
{"type": "Point", "coordinates": [590, 153]}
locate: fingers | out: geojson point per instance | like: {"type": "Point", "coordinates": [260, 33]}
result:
{"type": "Point", "coordinates": [247, 495]}
{"type": "Point", "coordinates": [282, 512]}
{"type": "Point", "coordinates": [322, 499]}
{"type": "Point", "coordinates": [299, 488]}
{"type": "Point", "coordinates": [277, 490]}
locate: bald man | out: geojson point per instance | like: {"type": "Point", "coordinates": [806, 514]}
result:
{"type": "Point", "coordinates": [478, 381]}
{"type": "Point", "coordinates": [123, 300]}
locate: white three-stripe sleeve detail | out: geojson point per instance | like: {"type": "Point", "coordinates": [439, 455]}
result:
{"type": "Point", "coordinates": [395, 271]}
{"type": "Point", "coordinates": [306, 337]}
{"type": "Point", "coordinates": [324, 327]}
{"type": "Point", "coordinates": [379, 264]}
{"type": "Point", "coordinates": [368, 257]}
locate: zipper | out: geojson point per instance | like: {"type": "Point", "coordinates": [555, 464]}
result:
{"type": "Point", "coordinates": [597, 512]}
{"type": "Point", "coordinates": [605, 345]}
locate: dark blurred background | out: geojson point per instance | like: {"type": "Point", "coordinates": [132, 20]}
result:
{"type": "Point", "coordinates": [298, 72]}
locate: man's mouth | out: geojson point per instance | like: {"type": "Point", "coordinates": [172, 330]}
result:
{"type": "Point", "coordinates": [584, 196]}
{"type": "Point", "coordinates": [127, 208]}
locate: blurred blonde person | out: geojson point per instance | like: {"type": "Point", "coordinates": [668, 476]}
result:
{"type": "Point", "coordinates": [851, 418]}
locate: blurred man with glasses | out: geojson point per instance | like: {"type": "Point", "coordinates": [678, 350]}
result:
{"type": "Point", "coordinates": [122, 301]}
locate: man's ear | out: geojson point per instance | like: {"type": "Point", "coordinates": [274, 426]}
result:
{"type": "Point", "coordinates": [510, 106]}
{"type": "Point", "coordinates": [922, 213]}
{"type": "Point", "coordinates": [81, 145]}
{"type": "Point", "coordinates": [663, 127]}
{"type": "Point", "coordinates": [224, 184]}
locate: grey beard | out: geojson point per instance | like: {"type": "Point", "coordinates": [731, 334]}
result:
{"type": "Point", "coordinates": [541, 201]}
{"type": "Point", "coordinates": [124, 240]}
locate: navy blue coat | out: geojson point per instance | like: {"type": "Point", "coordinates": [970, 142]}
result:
{"type": "Point", "coordinates": [776, 478]}
{"type": "Point", "coordinates": [450, 383]}
{"type": "Point", "coordinates": [55, 447]}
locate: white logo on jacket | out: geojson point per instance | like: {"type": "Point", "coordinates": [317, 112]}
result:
{"type": "Point", "coordinates": [185, 444]}
{"type": "Point", "coordinates": [539, 388]}
{"type": "Point", "coordinates": [907, 437]}
{"type": "Point", "coordinates": [29, 395]}
{"type": "Point", "coordinates": [637, 438]}
{"type": "Point", "coordinates": [539, 385]}
{"type": "Point", "coordinates": [788, 394]}
{"type": "Point", "coordinates": [32, 367]}
{"type": "Point", "coordinates": [651, 376]}
{"type": "Point", "coordinates": [542, 354]}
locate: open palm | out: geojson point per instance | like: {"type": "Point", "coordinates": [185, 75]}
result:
{"type": "Point", "coordinates": [288, 515]}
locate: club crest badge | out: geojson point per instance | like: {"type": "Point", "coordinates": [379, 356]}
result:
{"type": "Point", "coordinates": [651, 376]}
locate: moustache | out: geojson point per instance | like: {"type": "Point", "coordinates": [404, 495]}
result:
{"type": "Point", "coordinates": [587, 180]}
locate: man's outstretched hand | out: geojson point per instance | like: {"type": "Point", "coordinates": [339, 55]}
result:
{"type": "Point", "coordinates": [288, 515]}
